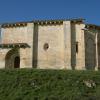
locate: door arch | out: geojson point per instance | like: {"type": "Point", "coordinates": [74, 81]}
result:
{"type": "Point", "coordinates": [12, 59]}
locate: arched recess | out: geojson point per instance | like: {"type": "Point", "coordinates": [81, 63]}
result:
{"type": "Point", "coordinates": [90, 54]}
{"type": "Point", "coordinates": [12, 59]}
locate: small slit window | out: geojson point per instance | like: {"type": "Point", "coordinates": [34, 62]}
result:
{"type": "Point", "coordinates": [76, 47]}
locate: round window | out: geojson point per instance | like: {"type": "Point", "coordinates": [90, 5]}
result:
{"type": "Point", "coordinates": [46, 46]}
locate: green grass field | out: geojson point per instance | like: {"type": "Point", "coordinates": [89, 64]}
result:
{"type": "Point", "coordinates": [33, 84]}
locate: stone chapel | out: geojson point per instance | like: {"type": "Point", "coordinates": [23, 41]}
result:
{"type": "Point", "coordinates": [50, 44]}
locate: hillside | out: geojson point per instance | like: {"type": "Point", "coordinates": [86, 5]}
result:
{"type": "Point", "coordinates": [32, 84]}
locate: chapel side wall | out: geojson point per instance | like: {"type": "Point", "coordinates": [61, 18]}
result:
{"type": "Point", "coordinates": [53, 57]}
{"type": "Point", "coordinates": [21, 34]}
{"type": "Point", "coordinates": [80, 56]}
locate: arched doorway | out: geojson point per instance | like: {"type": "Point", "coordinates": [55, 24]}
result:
{"type": "Point", "coordinates": [12, 59]}
{"type": "Point", "coordinates": [17, 62]}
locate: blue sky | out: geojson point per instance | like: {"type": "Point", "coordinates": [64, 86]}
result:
{"type": "Point", "coordinates": [27, 10]}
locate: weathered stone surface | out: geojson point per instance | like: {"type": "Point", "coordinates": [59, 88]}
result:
{"type": "Point", "coordinates": [80, 56]}
{"type": "Point", "coordinates": [53, 57]}
{"type": "Point", "coordinates": [67, 44]}
{"type": "Point", "coordinates": [51, 45]}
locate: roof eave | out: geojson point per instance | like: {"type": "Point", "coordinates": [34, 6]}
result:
{"type": "Point", "coordinates": [92, 26]}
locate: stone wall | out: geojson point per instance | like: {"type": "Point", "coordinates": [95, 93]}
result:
{"type": "Point", "coordinates": [18, 35]}
{"type": "Point", "coordinates": [80, 56]}
{"type": "Point", "coordinates": [3, 53]}
{"type": "Point", "coordinates": [26, 55]}
{"type": "Point", "coordinates": [53, 56]}
{"type": "Point", "coordinates": [62, 45]}
{"type": "Point", "coordinates": [77, 46]}
{"type": "Point", "coordinates": [67, 44]}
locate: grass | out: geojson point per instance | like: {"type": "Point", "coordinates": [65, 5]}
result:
{"type": "Point", "coordinates": [33, 84]}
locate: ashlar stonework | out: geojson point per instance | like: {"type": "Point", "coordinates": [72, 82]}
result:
{"type": "Point", "coordinates": [50, 44]}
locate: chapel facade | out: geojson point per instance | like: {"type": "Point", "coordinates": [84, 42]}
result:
{"type": "Point", "coordinates": [50, 44]}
